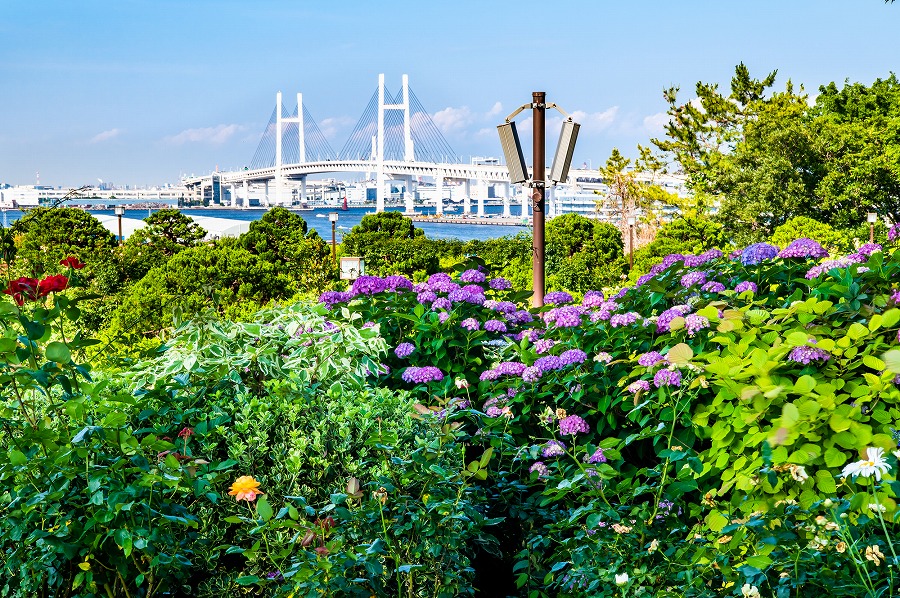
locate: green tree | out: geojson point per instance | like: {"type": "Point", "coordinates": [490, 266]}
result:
{"type": "Point", "coordinates": [167, 232]}
{"type": "Point", "coordinates": [583, 254]}
{"type": "Point", "coordinates": [803, 227]}
{"type": "Point", "coordinates": [44, 236]}
{"type": "Point", "coordinates": [298, 253]}
{"type": "Point", "coordinates": [681, 235]}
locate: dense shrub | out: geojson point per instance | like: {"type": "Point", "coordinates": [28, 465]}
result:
{"type": "Point", "coordinates": [583, 254]}
{"type": "Point", "coordinates": [166, 233]}
{"type": "Point", "coordinates": [803, 227]}
{"type": "Point", "coordinates": [681, 235]}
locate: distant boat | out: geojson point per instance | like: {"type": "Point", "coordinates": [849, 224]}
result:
{"type": "Point", "coordinates": [320, 215]}
{"type": "Point", "coordinates": [344, 207]}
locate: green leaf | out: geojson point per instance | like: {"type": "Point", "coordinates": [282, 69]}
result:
{"type": "Point", "coordinates": [7, 345]}
{"type": "Point", "coordinates": [834, 457]}
{"type": "Point", "coordinates": [873, 362]}
{"type": "Point", "coordinates": [892, 361]}
{"type": "Point", "coordinates": [804, 384]}
{"type": "Point", "coordinates": [857, 331]}
{"type": "Point", "coordinates": [796, 339]}
{"type": "Point", "coordinates": [716, 521]}
{"type": "Point", "coordinates": [58, 352]}
{"type": "Point", "coordinates": [825, 482]}
{"type": "Point", "coordinates": [789, 415]}
{"type": "Point", "coordinates": [760, 561]}
{"type": "Point", "coordinates": [680, 354]}
{"type": "Point", "coordinates": [263, 509]}
{"type": "Point", "coordinates": [17, 457]}
{"type": "Point", "coordinates": [247, 580]}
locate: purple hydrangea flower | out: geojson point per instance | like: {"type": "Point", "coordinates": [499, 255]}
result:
{"type": "Point", "coordinates": [868, 249]}
{"type": "Point", "coordinates": [624, 319]}
{"type": "Point", "coordinates": [443, 316]}
{"type": "Point", "coordinates": [803, 248]}
{"type": "Point", "coordinates": [667, 378]}
{"type": "Point", "coordinates": [510, 368]}
{"type": "Point", "coordinates": [396, 282]}
{"type": "Point", "coordinates": [758, 252]}
{"type": "Point", "coordinates": [668, 261]}
{"type": "Point", "coordinates": [642, 280]}
{"type": "Point", "coordinates": [828, 265]}
{"type": "Point", "coordinates": [637, 386]}
{"type": "Point", "coordinates": [622, 292]}
{"type": "Point", "coordinates": [745, 286]}
{"type": "Point", "coordinates": [422, 375]}
{"type": "Point", "coordinates": [592, 299]}
{"type": "Point", "coordinates": [495, 326]}
{"type": "Point", "coordinates": [713, 287]}
{"type": "Point", "coordinates": [553, 448]}
{"type": "Point", "coordinates": [573, 356]}
{"type": "Point", "coordinates": [692, 279]}
{"type": "Point", "coordinates": [426, 297]}
{"type": "Point", "coordinates": [596, 457]}
{"type": "Point", "coordinates": [572, 425]}
{"type": "Point", "coordinates": [650, 359]}
{"type": "Point", "coordinates": [520, 317]}
{"type": "Point", "coordinates": [567, 317]}
{"type": "Point", "coordinates": [896, 297]}
{"type": "Point", "coordinates": [458, 295]}
{"type": "Point", "coordinates": [472, 276]}
{"type": "Point", "coordinates": [500, 284]}
{"type": "Point", "coordinates": [694, 323]}
{"type": "Point", "coordinates": [489, 375]}
{"type": "Point", "coordinates": [332, 298]}
{"type": "Point", "coordinates": [548, 363]}
{"type": "Point", "coordinates": [894, 233]}
{"type": "Point", "coordinates": [540, 468]}
{"type": "Point", "coordinates": [404, 350]}
{"type": "Point", "coordinates": [544, 345]}
{"type": "Point", "coordinates": [441, 282]}
{"type": "Point", "coordinates": [531, 374]}
{"type": "Point", "coordinates": [666, 317]}
{"type": "Point", "coordinates": [473, 289]}
{"type": "Point", "coordinates": [558, 298]}
{"type": "Point", "coordinates": [367, 285]}
{"type": "Point", "coordinates": [494, 411]}
{"type": "Point", "coordinates": [504, 307]}
{"type": "Point", "coordinates": [470, 324]}
{"type": "Point", "coordinates": [806, 355]}
{"type": "Point", "coordinates": [441, 303]}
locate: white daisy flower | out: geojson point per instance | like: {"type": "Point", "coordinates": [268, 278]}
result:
{"type": "Point", "coordinates": [873, 464]}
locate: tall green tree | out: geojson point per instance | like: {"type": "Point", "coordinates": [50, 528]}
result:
{"type": "Point", "coordinates": [167, 232]}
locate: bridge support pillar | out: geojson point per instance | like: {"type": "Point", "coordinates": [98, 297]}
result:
{"type": "Point", "coordinates": [481, 206]}
{"type": "Point", "coordinates": [266, 193]}
{"type": "Point", "coordinates": [506, 202]}
{"type": "Point", "coordinates": [408, 202]}
{"type": "Point", "coordinates": [525, 199]}
{"type": "Point", "coordinates": [439, 193]}
{"type": "Point", "coordinates": [467, 201]}
{"type": "Point", "coordinates": [246, 193]}
{"type": "Point", "coordinates": [232, 200]}
{"type": "Point", "coordinates": [303, 189]}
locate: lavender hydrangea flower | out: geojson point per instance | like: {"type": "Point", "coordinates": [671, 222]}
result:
{"type": "Point", "coordinates": [494, 411]}
{"type": "Point", "coordinates": [638, 385]}
{"type": "Point", "coordinates": [694, 323]}
{"type": "Point", "coordinates": [510, 368]}
{"type": "Point", "coordinates": [489, 375]}
{"type": "Point", "coordinates": [667, 378]}
{"type": "Point", "coordinates": [558, 298]}
{"type": "Point", "coordinates": [548, 363]}
{"type": "Point", "coordinates": [540, 468]}
{"type": "Point", "coordinates": [443, 316]}
{"type": "Point", "coordinates": [828, 265]}
{"type": "Point", "coordinates": [592, 299]}
{"type": "Point", "coordinates": [441, 282]}
{"type": "Point", "coordinates": [896, 297]}
{"type": "Point", "coordinates": [520, 317]}
{"type": "Point", "coordinates": [758, 252]}
{"type": "Point", "coordinates": [894, 233]}
{"type": "Point", "coordinates": [396, 282]}
{"type": "Point", "coordinates": [650, 359]}
{"type": "Point", "coordinates": [422, 375]}
{"type": "Point", "coordinates": [472, 276]}
{"type": "Point", "coordinates": [573, 356]}
{"type": "Point", "coordinates": [495, 326]}
{"type": "Point", "coordinates": [441, 303]}
{"type": "Point", "coordinates": [567, 317]}
{"type": "Point", "coordinates": [642, 280]}
{"type": "Point", "coordinates": [404, 350]}
{"type": "Point", "coordinates": [470, 324]}
{"type": "Point", "coordinates": [803, 248]}
{"type": "Point", "coordinates": [596, 457]}
{"type": "Point", "coordinates": [531, 374]}
{"type": "Point", "coordinates": [504, 307]}
{"type": "Point", "coordinates": [692, 279]}
{"type": "Point", "coordinates": [805, 355]}
{"type": "Point", "coordinates": [745, 286]}
{"type": "Point", "coordinates": [368, 285]}
{"type": "Point", "coordinates": [622, 292]}
{"type": "Point", "coordinates": [553, 448]}
{"type": "Point", "coordinates": [544, 345]}
{"type": "Point", "coordinates": [624, 319]}
{"type": "Point", "coordinates": [713, 287]}
{"type": "Point", "coordinates": [426, 297]}
{"type": "Point", "coordinates": [332, 298]}
{"type": "Point", "coordinates": [572, 425]}
{"type": "Point", "coordinates": [458, 295]}
{"type": "Point", "coordinates": [500, 284]}
{"type": "Point", "coordinates": [668, 261]}
{"type": "Point", "coordinates": [868, 249]}
{"type": "Point", "coordinates": [665, 318]}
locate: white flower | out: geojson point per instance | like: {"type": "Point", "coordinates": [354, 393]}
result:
{"type": "Point", "coordinates": [798, 472]}
{"type": "Point", "coordinates": [621, 579]}
{"type": "Point", "coordinates": [877, 508]}
{"type": "Point", "coordinates": [873, 464]}
{"type": "Point", "coordinates": [748, 591]}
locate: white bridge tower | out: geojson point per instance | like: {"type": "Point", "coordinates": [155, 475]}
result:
{"type": "Point", "coordinates": [279, 131]}
{"type": "Point", "coordinates": [408, 149]}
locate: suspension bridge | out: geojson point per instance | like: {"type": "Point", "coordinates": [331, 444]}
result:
{"type": "Point", "coordinates": [395, 139]}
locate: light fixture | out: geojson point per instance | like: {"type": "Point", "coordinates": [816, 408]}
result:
{"type": "Point", "coordinates": [512, 151]}
{"type": "Point", "coordinates": [119, 211]}
{"type": "Point", "coordinates": [559, 171]}
{"type": "Point", "coordinates": [872, 217]}
{"type": "Point", "coordinates": [631, 221]}
{"type": "Point", "coordinates": [333, 216]}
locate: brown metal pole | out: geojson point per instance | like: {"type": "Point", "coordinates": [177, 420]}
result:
{"type": "Point", "coordinates": [871, 232]}
{"type": "Point", "coordinates": [630, 247]}
{"type": "Point", "coordinates": [333, 244]}
{"type": "Point", "coordinates": [537, 197]}
{"type": "Point", "coordinates": [121, 240]}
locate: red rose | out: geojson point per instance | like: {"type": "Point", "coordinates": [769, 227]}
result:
{"type": "Point", "coordinates": [22, 288]}
{"type": "Point", "coordinates": [52, 284]}
{"type": "Point", "coordinates": [72, 262]}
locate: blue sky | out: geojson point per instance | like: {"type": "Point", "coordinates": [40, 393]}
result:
{"type": "Point", "coordinates": [141, 92]}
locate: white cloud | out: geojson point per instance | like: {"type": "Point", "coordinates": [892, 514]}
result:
{"type": "Point", "coordinates": [333, 125]}
{"type": "Point", "coordinates": [496, 109]}
{"type": "Point", "coordinates": [655, 123]}
{"type": "Point", "coordinates": [105, 136]}
{"type": "Point", "coordinates": [450, 120]}
{"type": "Point", "coordinates": [215, 135]}
{"type": "Point", "coordinates": [595, 121]}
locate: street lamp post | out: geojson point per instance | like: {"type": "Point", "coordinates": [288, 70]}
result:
{"type": "Point", "coordinates": [120, 211]}
{"type": "Point", "coordinates": [518, 173]}
{"type": "Point", "coordinates": [333, 216]}
{"type": "Point", "coordinates": [630, 243]}
{"type": "Point", "coordinates": [872, 217]}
